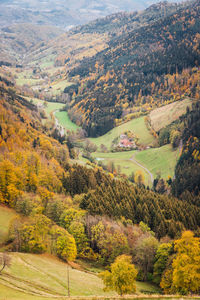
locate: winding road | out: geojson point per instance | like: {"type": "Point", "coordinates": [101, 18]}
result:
{"type": "Point", "coordinates": [137, 163]}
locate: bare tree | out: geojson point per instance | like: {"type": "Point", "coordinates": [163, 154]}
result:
{"type": "Point", "coordinates": [5, 261]}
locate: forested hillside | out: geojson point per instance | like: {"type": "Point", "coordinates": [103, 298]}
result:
{"type": "Point", "coordinates": [33, 162]}
{"type": "Point", "coordinates": [132, 70]}
{"type": "Point", "coordinates": [73, 211]}
{"type": "Point", "coordinates": [83, 199]}
{"type": "Point", "coordinates": [87, 40]}
{"type": "Point", "coordinates": [187, 174]}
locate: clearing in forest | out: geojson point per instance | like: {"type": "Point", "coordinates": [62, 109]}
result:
{"type": "Point", "coordinates": [165, 115]}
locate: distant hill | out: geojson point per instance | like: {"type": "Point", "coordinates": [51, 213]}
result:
{"type": "Point", "coordinates": [17, 40]}
{"type": "Point", "coordinates": [87, 40]}
{"type": "Point", "coordinates": [131, 70]}
{"type": "Point", "coordinates": [64, 13]}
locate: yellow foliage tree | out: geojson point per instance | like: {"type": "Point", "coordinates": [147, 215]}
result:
{"type": "Point", "coordinates": [186, 266]}
{"type": "Point", "coordinates": [122, 277]}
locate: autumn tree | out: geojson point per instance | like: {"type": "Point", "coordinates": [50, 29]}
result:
{"type": "Point", "coordinates": [162, 254]}
{"type": "Point", "coordinates": [122, 276]}
{"type": "Point", "coordinates": [109, 241]}
{"type": "Point", "coordinates": [139, 178]}
{"type": "Point", "coordinates": [77, 230]}
{"type": "Point", "coordinates": [145, 252]}
{"type": "Point", "coordinates": [186, 265]}
{"type": "Point", "coordinates": [65, 245]}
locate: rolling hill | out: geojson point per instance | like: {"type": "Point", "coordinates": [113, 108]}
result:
{"type": "Point", "coordinates": [17, 40]}
{"type": "Point", "coordinates": [47, 279]}
{"type": "Point", "coordinates": [91, 38]}
{"type": "Point", "coordinates": [134, 69]}
{"type": "Point", "coordinates": [62, 13]}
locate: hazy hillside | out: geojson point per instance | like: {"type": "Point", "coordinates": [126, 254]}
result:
{"type": "Point", "coordinates": [17, 40]}
{"type": "Point", "coordinates": [69, 49]}
{"type": "Point", "coordinates": [63, 13]}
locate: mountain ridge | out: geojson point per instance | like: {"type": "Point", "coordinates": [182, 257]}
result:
{"type": "Point", "coordinates": [64, 13]}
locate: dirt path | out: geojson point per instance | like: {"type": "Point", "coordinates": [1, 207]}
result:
{"type": "Point", "coordinates": [137, 163]}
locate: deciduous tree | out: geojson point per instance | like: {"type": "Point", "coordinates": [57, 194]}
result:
{"type": "Point", "coordinates": [122, 276]}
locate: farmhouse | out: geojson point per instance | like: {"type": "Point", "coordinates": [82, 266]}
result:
{"type": "Point", "coordinates": [125, 143]}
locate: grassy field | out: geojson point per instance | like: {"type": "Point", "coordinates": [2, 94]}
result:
{"type": "Point", "coordinates": [65, 121]}
{"type": "Point", "coordinates": [159, 160]}
{"type": "Point", "coordinates": [47, 62]}
{"type": "Point", "coordinates": [59, 86]}
{"type": "Point", "coordinates": [136, 125]}
{"type": "Point", "coordinates": [44, 277]}
{"type": "Point", "coordinates": [165, 115]}
{"type": "Point", "coordinates": [25, 77]}
{"type": "Point", "coordinates": [62, 116]}
{"type": "Point", "coordinates": [6, 214]}
{"type": "Point", "coordinates": [51, 106]}
{"type": "Point", "coordinates": [122, 159]}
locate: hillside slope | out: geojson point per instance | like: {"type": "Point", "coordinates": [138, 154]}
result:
{"type": "Point", "coordinates": [87, 40]}
{"type": "Point", "coordinates": [17, 40]}
{"type": "Point", "coordinates": [47, 279]}
{"type": "Point", "coordinates": [132, 70]}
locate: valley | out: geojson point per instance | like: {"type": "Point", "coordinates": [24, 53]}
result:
{"type": "Point", "coordinates": [152, 162]}
{"type": "Point", "coordinates": [122, 160]}
{"type": "Point", "coordinates": [99, 150]}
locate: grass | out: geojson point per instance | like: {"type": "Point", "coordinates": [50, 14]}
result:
{"type": "Point", "coordinates": [136, 125]}
{"type": "Point", "coordinates": [159, 160]}
{"type": "Point", "coordinates": [6, 214]}
{"type": "Point", "coordinates": [62, 116]}
{"type": "Point", "coordinates": [25, 78]}
{"type": "Point", "coordinates": [44, 277]}
{"type": "Point", "coordinates": [65, 121]}
{"type": "Point", "coordinates": [51, 106]}
{"type": "Point", "coordinates": [44, 61]}
{"type": "Point", "coordinates": [165, 115]}
{"type": "Point", "coordinates": [59, 86]}
{"type": "Point", "coordinates": [122, 159]}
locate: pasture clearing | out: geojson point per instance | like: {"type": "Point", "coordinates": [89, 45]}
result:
{"type": "Point", "coordinates": [40, 277]}
{"type": "Point", "coordinates": [27, 77]}
{"type": "Point", "coordinates": [165, 115]}
{"type": "Point", "coordinates": [50, 106]}
{"type": "Point", "coordinates": [122, 160]}
{"type": "Point", "coordinates": [137, 126]}
{"type": "Point", "coordinates": [59, 86]}
{"type": "Point", "coordinates": [159, 160]}
{"type": "Point", "coordinates": [65, 121]}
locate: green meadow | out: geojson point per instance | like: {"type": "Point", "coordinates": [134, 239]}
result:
{"type": "Point", "coordinates": [159, 160]}
{"type": "Point", "coordinates": [65, 121]}
{"type": "Point", "coordinates": [137, 126]}
{"type": "Point", "coordinates": [38, 277]}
